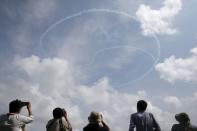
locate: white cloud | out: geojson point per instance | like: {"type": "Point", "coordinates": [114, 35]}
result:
{"type": "Point", "coordinates": [194, 51]}
{"type": "Point", "coordinates": [159, 21]}
{"type": "Point", "coordinates": [179, 69]}
{"type": "Point", "coordinates": [173, 101]}
{"type": "Point", "coordinates": [186, 105]}
{"type": "Point", "coordinates": [49, 83]}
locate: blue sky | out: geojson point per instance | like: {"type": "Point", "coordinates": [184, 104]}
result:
{"type": "Point", "coordinates": [105, 57]}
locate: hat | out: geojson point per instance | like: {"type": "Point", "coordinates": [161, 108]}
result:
{"type": "Point", "coordinates": [182, 117]}
{"type": "Point", "coordinates": [95, 117]}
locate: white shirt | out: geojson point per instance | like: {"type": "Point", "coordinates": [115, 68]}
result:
{"type": "Point", "coordinates": [14, 122]}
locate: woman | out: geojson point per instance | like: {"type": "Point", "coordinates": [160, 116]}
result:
{"type": "Point", "coordinates": [59, 122]}
{"type": "Point", "coordinates": [184, 123]}
{"type": "Point", "coordinates": [96, 123]}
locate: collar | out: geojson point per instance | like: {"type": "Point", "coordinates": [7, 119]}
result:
{"type": "Point", "coordinates": [11, 114]}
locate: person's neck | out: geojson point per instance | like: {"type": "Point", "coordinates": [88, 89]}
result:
{"type": "Point", "coordinates": [141, 111]}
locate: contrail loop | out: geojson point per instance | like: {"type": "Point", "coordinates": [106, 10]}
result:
{"type": "Point", "coordinates": [155, 59]}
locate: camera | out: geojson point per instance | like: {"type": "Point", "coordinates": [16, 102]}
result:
{"type": "Point", "coordinates": [59, 112]}
{"type": "Point", "coordinates": [63, 111]}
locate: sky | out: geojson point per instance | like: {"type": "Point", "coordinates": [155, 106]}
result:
{"type": "Point", "coordinates": [100, 56]}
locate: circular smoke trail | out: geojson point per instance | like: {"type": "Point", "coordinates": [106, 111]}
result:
{"type": "Point", "coordinates": [155, 59]}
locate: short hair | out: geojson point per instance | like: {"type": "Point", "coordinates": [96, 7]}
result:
{"type": "Point", "coordinates": [141, 105]}
{"type": "Point", "coordinates": [57, 113]}
{"type": "Point", "coordinates": [16, 105]}
{"type": "Point", "coordinates": [95, 117]}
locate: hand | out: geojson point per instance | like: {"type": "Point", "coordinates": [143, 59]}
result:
{"type": "Point", "coordinates": [64, 112]}
{"type": "Point", "coordinates": [101, 117]}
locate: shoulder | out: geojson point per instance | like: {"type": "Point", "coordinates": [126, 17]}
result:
{"type": "Point", "coordinates": [149, 113]}
{"type": "Point", "coordinates": [105, 128]}
{"type": "Point", "coordinates": [3, 117]}
{"type": "Point", "coordinates": [49, 123]}
{"type": "Point", "coordinates": [86, 127]}
{"type": "Point", "coordinates": [134, 114]}
{"type": "Point", "coordinates": [175, 126]}
{"type": "Point", "coordinates": [194, 127]}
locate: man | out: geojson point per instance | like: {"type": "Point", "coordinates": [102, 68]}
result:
{"type": "Point", "coordinates": [143, 121]}
{"type": "Point", "coordinates": [59, 122]}
{"type": "Point", "coordinates": [184, 123]}
{"type": "Point", "coordinates": [14, 121]}
{"type": "Point", "coordinates": [96, 123]}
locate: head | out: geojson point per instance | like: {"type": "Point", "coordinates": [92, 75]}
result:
{"type": "Point", "coordinates": [15, 106]}
{"type": "Point", "coordinates": [95, 117]}
{"type": "Point", "coordinates": [141, 105]}
{"type": "Point", "coordinates": [58, 113]}
{"type": "Point", "coordinates": [182, 118]}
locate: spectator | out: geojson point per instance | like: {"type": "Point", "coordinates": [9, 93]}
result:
{"type": "Point", "coordinates": [14, 121]}
{"type": "Point", "coordinates": [184, 123]}
{"type": "Point", "coordinates": [96, 123]}
{"type": "Point", "coordinates": [143, 121]}
{"type": "Point", "coordinates": [59, 122]}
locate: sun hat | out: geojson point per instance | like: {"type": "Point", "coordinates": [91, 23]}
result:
{"type": "Point", "coordinates": [182, 117]}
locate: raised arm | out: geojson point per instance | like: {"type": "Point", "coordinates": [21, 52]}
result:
{"type": "Point", "coordinates": [29, 109]}
{"type": "Point", "coordinates": [66, 118]}
{"type": "Point", "coordinates": [105, 125]}
{"type": "Point", "coordinates": [29, 118]}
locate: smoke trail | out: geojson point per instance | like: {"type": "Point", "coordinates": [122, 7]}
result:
{"type": "Point", "coordinates": [155, 59]}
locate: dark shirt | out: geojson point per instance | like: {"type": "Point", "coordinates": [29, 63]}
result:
{"type": "Point", "coordinates": [143, 121]}
{"type": "Point", "coordinates": [95, 127]}
{"type": "Point", "coordinates": [181, 127]}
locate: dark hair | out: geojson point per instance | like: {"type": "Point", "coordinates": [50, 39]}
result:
{"type": "Point", "coordinates": [182, 118]}
{"type": "Point", "coordinates": [58, 113]}
{"type": "Point", "coordinates": [16, 105]}
{"type": "Point", "coordinates": [141, 105]}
